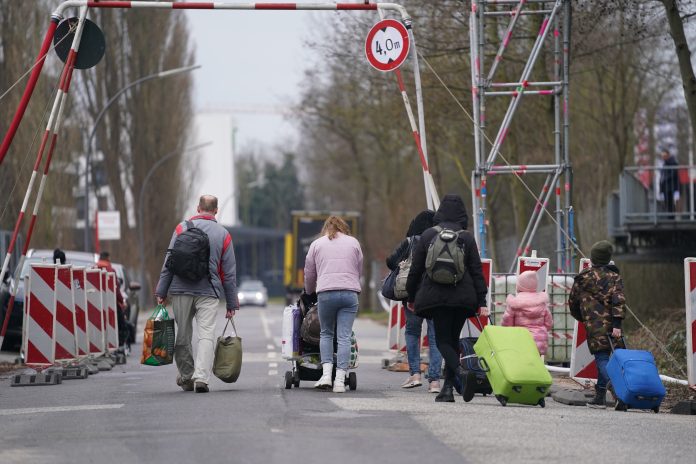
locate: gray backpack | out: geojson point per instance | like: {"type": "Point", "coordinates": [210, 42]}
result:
{"type": "Point", "coordinates": [400, 292]}
{"type": "Point", "coordinates": [444, 263]}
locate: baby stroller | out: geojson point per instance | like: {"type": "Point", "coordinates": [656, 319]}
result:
{"type": "Point", "coordinates": [301, 345]}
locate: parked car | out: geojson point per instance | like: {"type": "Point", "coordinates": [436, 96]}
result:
{"type": "Point", "coordinates": [130, 291]}
{"type": "Point", "coordinates": [13, 337]}
{"type": "Point", "coordinates": [252, 292]}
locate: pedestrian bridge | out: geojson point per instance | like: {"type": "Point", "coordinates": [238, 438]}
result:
{"type": "Point", "coordinates": [639, 215]}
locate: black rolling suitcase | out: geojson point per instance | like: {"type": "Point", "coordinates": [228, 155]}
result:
{"type": "Point", "coordinates": [469, 361]}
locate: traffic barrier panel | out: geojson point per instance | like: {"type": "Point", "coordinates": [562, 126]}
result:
{"type": "Point", "coordinates": [110, 318]}
{"type": "Point", "coordinates": [64, 334]}
{"type": "Point", "coordinates": [81, 326]}
{"type": "Point", "coordinates": [474, 325]}
{"type": "Point", "coordinates": [397, 327]}
{"type": "Point", "coordinates": [582, 363]}
{"type": "Point", "coordinates": [690, 299]}
{"type": "Point", "coordinates": [39, 346]}
{"type": "Point", "coordinates": [95, 317]}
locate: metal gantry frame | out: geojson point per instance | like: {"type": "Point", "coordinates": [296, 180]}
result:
{"type": "Point", "coordinates": [487, 56]}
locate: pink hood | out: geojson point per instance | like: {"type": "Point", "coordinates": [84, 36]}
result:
{"type": "Point", "coordinates": [530, 310]}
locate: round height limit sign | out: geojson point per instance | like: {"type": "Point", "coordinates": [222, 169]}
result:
{"type": "Point", "coordinates": [387, 45]}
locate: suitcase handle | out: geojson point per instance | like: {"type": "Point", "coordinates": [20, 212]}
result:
{"type": "Point", "coordinates": [611, 342]}
{"type": "Point", "coordinates": [484, 365]}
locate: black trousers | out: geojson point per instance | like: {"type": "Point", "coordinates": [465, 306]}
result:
{"type": "Point", "coordinates": [448, 324]}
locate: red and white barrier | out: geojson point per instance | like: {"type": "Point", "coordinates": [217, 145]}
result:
{"type": "Point", "coordinates": [396, 334]}
{"type": "Point", "coordinates": [81, 325]}
{"type": "Point", "coordinates": [538, 265]}
{"type": "Point", "coordinates": [582, 364]}
{"type": "Point", "coordinates": [65, 340]}
{"type": "Point", "coordinates": [39, 346]}
{"type": "Point", "coordinates": [474, 325]}
{"type": "Point", "coordinates": [110, 319]}
{"type": "Point", "coordinates": [95, 315]}
{"type": "Point", "coordinates": [690, 299]}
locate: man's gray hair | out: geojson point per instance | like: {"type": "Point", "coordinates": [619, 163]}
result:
{"type": "Point", "coordinates": [208, 203]}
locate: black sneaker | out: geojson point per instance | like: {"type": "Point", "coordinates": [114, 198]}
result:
{"type": "Point", "coordinates": [202, 387]}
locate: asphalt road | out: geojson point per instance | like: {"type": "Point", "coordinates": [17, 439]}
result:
{"type": "Point", "coordinates": [137, 414]}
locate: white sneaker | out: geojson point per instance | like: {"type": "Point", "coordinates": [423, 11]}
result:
{"type": "Point", "coordinates": [324, 382]}
{"type": "Point", "coordinates": [340, 381]}
{"type": "Point", "coordinates": [434, 387]}
{"type": "Point", "coordinates": [412, 382]}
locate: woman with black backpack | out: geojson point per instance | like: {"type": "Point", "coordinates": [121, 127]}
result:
{"type": "Point", "coordinates": [446, 284]}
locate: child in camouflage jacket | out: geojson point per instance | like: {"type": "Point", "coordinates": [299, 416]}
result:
{"type": "Point", "coordinates": [597, 301]}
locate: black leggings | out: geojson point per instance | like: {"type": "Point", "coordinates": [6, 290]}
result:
{"type": "Point", "coordinates": [448, 324]}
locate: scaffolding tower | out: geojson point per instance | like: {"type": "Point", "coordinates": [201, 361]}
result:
{"type": "Point", "coordinates": [489, 43]}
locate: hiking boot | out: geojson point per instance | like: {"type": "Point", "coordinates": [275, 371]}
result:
{"type": "Point", "coordinates": [599, 401]}
{"type": "Point", "coordinates": [186, 385]}
{"type": "Point", "coordinates": [202, 387]}
{"type": "Point", "coordinates": [413, 381]}
{"type": "Point", "coordinates": [468, 380]}
{"type": "Point", "coordinates": [446, 395]}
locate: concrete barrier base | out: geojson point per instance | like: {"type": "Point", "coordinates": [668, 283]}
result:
{"type": "Point", "coordinates": [31, 380]}
{"type": "Point", "coordinates": [687, 407]}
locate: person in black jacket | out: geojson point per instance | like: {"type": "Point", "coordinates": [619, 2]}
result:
{"type": "Point", "coordinates": [449, 305]}
{"type": "Point", "coordinates": [669, 181]}
{"type": "Point", "coordinates": [414, 323]}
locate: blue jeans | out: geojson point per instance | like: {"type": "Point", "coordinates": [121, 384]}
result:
{"type": "Point", "coordinates": [337, 311]}
{"type": "Point", "coordinates": [601, 359]}
{"type": "Point", "coordinates": [414, 325]}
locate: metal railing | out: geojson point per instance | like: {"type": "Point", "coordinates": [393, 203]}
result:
{"type": "Point", "coordinates": [656, 195]}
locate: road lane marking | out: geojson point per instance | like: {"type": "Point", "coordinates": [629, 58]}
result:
{"type": "Point", "coordinates": [84, 407]}
{"type": "Point", "coordinates": [272, 364]}
{"type": "Point", "coordinates": [273, 372]}
{"type": "Point", "coordinates": [271, 354]}
{"type": "Point", "coordinates": [270, 347]}
{"type": "Point", "coordinates": [264, 323]}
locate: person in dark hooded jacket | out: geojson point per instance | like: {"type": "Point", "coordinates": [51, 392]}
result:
{"type": "Point", "coordinates": [449, 305]}
{"type": "Point", "coordinates": [414, 323]}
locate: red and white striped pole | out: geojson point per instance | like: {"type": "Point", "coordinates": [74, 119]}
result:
{"type": "Point", "coordinates": [54, 123]}
{"type": "Point", "coordinates": [29, 90]}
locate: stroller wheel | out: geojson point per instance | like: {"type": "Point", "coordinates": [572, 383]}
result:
{"type": "Point", "coordinates": [296, 379]}
{"type": "Point", "coordinates": [352, 381]}
{"type": "Point", "coordinates": [288, 380]}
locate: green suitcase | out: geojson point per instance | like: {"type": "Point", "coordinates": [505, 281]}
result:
{"type": "Point", "coordinates": [513, 365]}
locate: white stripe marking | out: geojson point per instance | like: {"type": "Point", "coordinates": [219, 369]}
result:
{"type": "Point", "coordinates": [85, 407]}
{"type": "Point", "coordinates": [271, 355]}
{"type": "Point", "coordinates": [272, 372]}
{"type": "Point", "coordinates": [273, 365]}
{"type": "Point", "coordinates": [270, 347]}
{"type": "Point", "coordinates": [264, 323]}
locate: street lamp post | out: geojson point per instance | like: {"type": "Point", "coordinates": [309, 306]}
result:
{"type": "Point", "coordinates": [90, 139]}
{"type": "Point", "coordinates": [146, 181]}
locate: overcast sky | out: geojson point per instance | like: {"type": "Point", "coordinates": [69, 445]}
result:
{"type": "Point", "coordinates": [251, 60]}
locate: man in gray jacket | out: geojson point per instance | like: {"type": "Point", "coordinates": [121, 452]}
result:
{"type": "Point", "coordinates": [200, 299]}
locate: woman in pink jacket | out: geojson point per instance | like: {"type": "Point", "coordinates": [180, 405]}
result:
{"type": "Point", "coordinates": [530, 309]}
{"type": "Point", "coordinates": [333, 268]}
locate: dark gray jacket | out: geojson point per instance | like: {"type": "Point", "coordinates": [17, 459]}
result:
{"type": "Point", "coordinates": [223, 275]}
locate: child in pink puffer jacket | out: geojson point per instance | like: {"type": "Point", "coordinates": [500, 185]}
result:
{"type": "Point", "coordinates": [530, 309]}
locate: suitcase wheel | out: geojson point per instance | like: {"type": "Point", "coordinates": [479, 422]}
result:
{"type": "Point", "coordinates": [288, 380]}
{"type": "Point", "coordinates": [352, 381]}
{"type": "Point", "coordinates": [503, 400]}
{"type": "Point", "coordinates": [656, 409]}
{"type": "Point", "coordinates": [620, 406]}
{"type": "Point", "coordinates": [542, 403]}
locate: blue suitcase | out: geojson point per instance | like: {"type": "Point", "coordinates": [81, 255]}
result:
{"type": "Point", "coordinates": [634, 380]}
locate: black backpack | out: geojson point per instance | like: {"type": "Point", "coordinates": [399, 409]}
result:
{"type": "Point", "coordinates": [190, 255]}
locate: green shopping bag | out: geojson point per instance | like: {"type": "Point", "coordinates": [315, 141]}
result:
{"type": "Point", "coordinates": [228, 356]}
{"type": "Point", "coordinates": [158, 340]}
